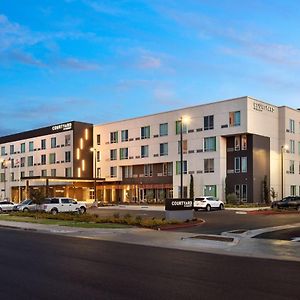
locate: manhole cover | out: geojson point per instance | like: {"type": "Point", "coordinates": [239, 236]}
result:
{"type": "Point", "coordinates": [213, 238]}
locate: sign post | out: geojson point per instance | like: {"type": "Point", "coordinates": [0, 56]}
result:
{"type": "Point", "coordinates": [179, 209]}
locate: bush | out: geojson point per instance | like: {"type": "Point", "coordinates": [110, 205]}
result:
{"type": "Point", "coordinates": [232, 198]}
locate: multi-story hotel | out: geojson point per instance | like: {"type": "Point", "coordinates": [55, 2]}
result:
{"type": "Point", "coordinates": [242, 146]}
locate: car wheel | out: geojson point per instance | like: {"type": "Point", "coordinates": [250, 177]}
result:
{"type": "Point", "coordinates": [25, 209]}
{"type": "Point", "coordinates": [82, 210]}
{"type": "Point", "coordinates": [54, 211]}
{"type": "Point", "coordinates": [221, 207]}
{"type": "Point", "coordinates": [208, 207]}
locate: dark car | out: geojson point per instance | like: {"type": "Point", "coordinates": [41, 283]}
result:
{"type": "Point", "coordinates": [287, 202]}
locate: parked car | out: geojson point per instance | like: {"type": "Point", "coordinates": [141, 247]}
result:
{"type": "Point", "coordinates": [6, 206]}
{"type": "Point", "coordinates": [208, 203]}
{"type": "Point", "coordinates": [26, 206]}
{"type": "Point", "coordinates": [287, 202]}
{"type": "Point", "coordinates": [62, 204]}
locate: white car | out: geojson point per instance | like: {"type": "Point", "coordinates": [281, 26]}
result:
{"type": "Point", "coordinates": [62, 204]}
{"type": "Point", "coordinates": [208, 203]}
{"type": "Point", "coordinates": [6, 206]}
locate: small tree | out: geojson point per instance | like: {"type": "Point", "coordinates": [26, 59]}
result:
{"type": "Point", "coordinates": [192, 186]}
{"type": "Point", "coordinates": [273, 194]}
{"type": "Point", "coordinates": [266, 191]}
{"type": "Point", "coordinates": [37, 196]}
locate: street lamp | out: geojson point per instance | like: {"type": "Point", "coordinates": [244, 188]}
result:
{"type": "Point", "coordinates": [284, 148]}
{"type": "Point", "coordinates": [94, 150]}
{"type": "Point", "coordinates": [183, 120]}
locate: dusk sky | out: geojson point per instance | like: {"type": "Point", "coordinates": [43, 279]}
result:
{"type": "Point", "coordinates": [102, 61]}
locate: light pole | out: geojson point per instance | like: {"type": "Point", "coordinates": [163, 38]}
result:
{"type": "Point", "coordinates": [94, 150]}
{"type": "Point", "coordinates": [283, 149]}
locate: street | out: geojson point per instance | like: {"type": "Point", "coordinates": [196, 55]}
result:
{"type": "Point", "coordinates": [45, 266]}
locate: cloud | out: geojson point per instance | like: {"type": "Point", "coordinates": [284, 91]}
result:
{"type": "Point", "coordinates": [149, 62]}
{"type": "Point", "coordinates": [22, 58]}
{"type": "Point", "coordinates": [102, 7]}
{"type": "Point", "coordinates": [76, 64]}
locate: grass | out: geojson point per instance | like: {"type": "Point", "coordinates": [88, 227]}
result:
{"type": "Point", "coordinates": [246, 205]}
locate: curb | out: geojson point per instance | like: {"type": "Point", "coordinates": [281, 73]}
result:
{"type": "Point", "coordinates": [178, 226]}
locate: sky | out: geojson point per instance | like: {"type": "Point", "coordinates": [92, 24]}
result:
{"type": "Point", "coordinates": [101, 61]}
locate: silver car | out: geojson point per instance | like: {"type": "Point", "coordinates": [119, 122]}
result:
{"type": "Point", "coordinates": [25, 206]}
{"type": "Point", "coordinates": [6, 206]}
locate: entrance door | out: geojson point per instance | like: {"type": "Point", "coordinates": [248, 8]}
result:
{"type": "Point", "coordinates": [142, 195]}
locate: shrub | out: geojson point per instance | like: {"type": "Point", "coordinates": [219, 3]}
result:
{"type": "Point", "coordinates": [232, 198]}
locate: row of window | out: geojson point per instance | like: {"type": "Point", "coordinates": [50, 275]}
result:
{"type": "Point", "coordinates": [31, 146]}
{"type": "Point", "coordinates": [292, 167]}
{"type": "Point", "coordinates": [292, 147]}
{"type": "Point", "coordinates": [240, 165]}
{"type": "Point", "coordinates": [234, 120]}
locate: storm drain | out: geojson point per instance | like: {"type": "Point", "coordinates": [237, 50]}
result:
{"type": "Point", "coordinates": [213, 238]}
{"type": "Point", "coordinates": [238, 231]}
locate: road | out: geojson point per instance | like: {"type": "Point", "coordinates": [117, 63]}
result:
{"type": "Point", "coordinates": [44, 266]}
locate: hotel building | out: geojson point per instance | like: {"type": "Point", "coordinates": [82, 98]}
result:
{"type": "Point", "coordinates": [235, 146]}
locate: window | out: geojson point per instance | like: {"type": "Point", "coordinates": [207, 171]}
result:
{"type": "Point", "coordinates": [113, 154]}
{"type": "Point", "coordinates": [293, 190]}
{"type": "Point", "coordinates": [237, 191]}
{"type": "Point", "coordinates": [98, 174]}
{"type": "Point", "coordinates": [44, 173]}
{"type": "Point", "coordinates": [145, 132]}
{"type": "Point", "coordinates": [167, 169]}
{"type": "Point", "coordinates": [184, 147]}
{"type": "Point", "coordinates": [145, 151]}
{"type": "Point", "coordinates": [98, 139]}
{"type": "Point", "coordinates": [52, 158]}
{"type": "Point", "coordinates": [114, 137]}
{"type": "Point", "coordinates": [234, 118]}
{"type": "Point", "coordinates": [178, 167]}
{"type": "Point", "coordinates": [292, 146]}
{"type": "Point", "coordinates": [23, 174]}
{"type": "Point", "coordinates": [163, 149]}
{"type": "Point", "coordinates": [244, 192]}
{"type": "Point", "coordinates": [68, 172]}
{"type": "Point", "coordinates": [208, 122]}
{"type": "Point", "coordinates": [22, 161]}
{"type": "Point", "coordinates": [210, 144]}
{"type": "Point", "coordinates": [244, 142]}
{"type": "Point", "coordinates": [12, 176]}
{"type": "Point", "coordinates": [2, 150]}
{"type": "Point", "coordinates": [68, 156]}
{"type": "Point", "coordinates": [31, 146]}
{"type": "Point", "coordinates": [43, 159]}
{"type": "Point", "coordinates": [128, 171]}
{"type": "Point", "coordinates": [244, 164]}
{"type": "Point", "coordinates": [163, 129]}
{"type": "Point", "coordinates": [292, 166]}
{"type": "Point", "coordinates": [53, 172]}
{"type": "Point", "coordinates": [148, 170]}
{"type": "Point", "coordinates": [210, 190]}
{"type": "Point", "coordinates": [237, 165]}
{"type": "Point", "coordinates": [299, 148]}
{"type": "Point", "coordinates": [98, 155]}
{"type": "Point", "coordinates": [53, 142]}
{"type": "Point", "coordinates": [2, 177]}
{"type": "Point", "coordinates": [23, 148]}
{"type": "Point", "coordinates": [209, 165]}
{"type": "Point", "coordinates": [30, 161]}
{"type": "Point", "coordinates": [43, 144]}
{"type": "Point", "coordinates": [11, 149]}
{"type": "Point", "coordinates": [178, 127]}
{"type": "Point", "coordinates": [292, 126]}
{"type": "Point", "coordinates": [184, 191]}
{"type": "Point", "coordinates": [124, 135]}
{"type": "Point", "coordinates": [68, 140]}
{"type": "Point", "coordinates": [237, 143]}
{"type": "Point", "coordinates": [113, 172]}
{"type": "Point", "coordinates": [123, 153]}
{"type": "Point", "coordinates": [12, 163]}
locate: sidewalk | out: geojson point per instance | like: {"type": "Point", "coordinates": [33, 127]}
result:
{"type": "Point", "coordinates": [241, 244]}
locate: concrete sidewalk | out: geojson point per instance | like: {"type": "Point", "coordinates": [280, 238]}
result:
{"type": "Point", "coordinates": [241, 244]}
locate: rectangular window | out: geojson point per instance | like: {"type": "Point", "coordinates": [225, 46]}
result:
{"type": "Point", "coordinates": [244, 142]}
{"type": "Point", "coordinates": [113, 154]}
{"type": "Point", "coordinates": [210, 190]}
{"type": "Point", "coordinates": [145, 132]}
{"type": "Point", "coordinates": [210, 144]}
{"type": "Point", "coordinates": [163, 149]}
{"type": "Point", "coordinates": [53, 172]}
{"type": "Point", "coordinates": [128, 172]}
{"type": "Point", "coordinates": [22, 161]}
{"type": "Point", "coordinates": [124, 135]}
{"type": "Point", "coordinates": [292, 167]}
{"type": "Point", "coordinates": [2, 177]}
{"type": "Point", "coordinates": [12, 176]}
{"type": "Point", "coordinates": [163, 129]}
{"type": "Point", "coordinates": [2, 150]}
{"type": "Point", "coordinates": [292, 126]}
{"type": "Point", "coordinates": [53, 142]}
{"type": "Point", "coordinates": [234, 118]}
{"type": "Point", "coordinates": [178, 127]}
{"type": "Point", "coordinates": [237, 165]}
{"type": "Point", "coordinates": [43, 159]}
{"type": "Point", "coordinates": [31, 146]}
{"type": "Point", "coordinates": [167, 169]}
{"type": "Point", "coordinates": [11, 149]}
{"type": "Point", "coordinates": [237, 190]}
{"type": "Point", "coordinates": [209, 165]}
{"type": "Point", "coordinates": [43, 144]}
{"type": "Point", "coordinates": [44, 173]}
{"type": "Point", "coordinates": [68, 172]}
{"type": "Point", "coordinates": [98, 139]}
{"type": "Point", "coordinates": [293, 190]}
{"type": "Point", "coordinates": [23, 174]}
{"type": "Point", "coordinates": [237, 143]}
{"type": "Point", "coordinates": [114, 137]}
{"type": "Point", "coordinates": [292, 146]}
{"type": "Point", "coordinates": [23, 148]}
{"type": "Point", "coordinates": [30, 161]}
{"type": "Point", "coordinates": [113, 172]}
{"type": "Point", "coordinates": [178, 167]}
{"type": "Point", "coordinates": [244, 192]}
{"type": "Point", "coordinates": [68, 156]}
{"type": "Point", "coordinates": [144, 151]}
{"type": "Point", "coordinates": [148, 170]}
{"type": "Point", "coordinates": [98, 154]}
{"type": "Point", "coordinates": [98, 173]}
{"type": "Point", "coordinates": [52, 158]}
{"type": "Point", "coordinates": [244, 164]}
{"type": "Point", "coordinates": [184, 192]}
{"type": "Point", "coordinates": [123, 153]}
{"type": "Point", "coordinates": [208, 122]}
{"type": "Point", "coordinates": [68, 140]}
{"type": "Point", "coordinates": [184, 147]}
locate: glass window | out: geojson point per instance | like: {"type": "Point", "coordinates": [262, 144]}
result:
{"type": "Point", "coordinates": [148, 170]}
{"type": "Point", "coordinates": [210, 190]}
{"type": "Point", "coordinates": [68, 140]}
{"type": "Point", "coordinates": [22, 161]}
{"type": "Point", "coordinates": [23, 148]}
{"type": "Point", "coordinates": [44, 172]}
{"type": "Point", "coordinates": [128, 172]}
{"type": "Point", "coordinates": [237, 143]}
{"type": "Point", "coordinates": [124, 135]}
{"type": "Point", "coordinates": [68, 156]}
{"type": "Point", "coordinates": [12, 176]}
{"type": "Point", "coordinates": [11, 149]}
{"type": "Point", "coordinates": [98, 139]}
{"type": "Point", "coordinates": [237, 191]}
{"type": "Point", "coordinates": [145, 132]}
{"type": "Point", "coordinates": [237, 165]}
{"type": "Point", "coordinates": [208, 122]}
{"type": "Point", "coordinates": [114, 137]}
{"type": "Point", "coordinates": [113, 154]}
{"type": "Point", "coordinates": [98, 154]}
{"type": "Point", "coordinates": [163, 129]}
{"type": "Point", "coordinates": [184, 147]}
{"type": "Point", "coordinates": [30, 161]}
{"type": "Point", "coordinates": [244, 164]}
{"type": "Point", "coordinates": [145, 151]}
{"type": "Point", "coordinates": [123, 153]}
{"type": "Point", "coordinates": [244, 142]}
{"type": "Point", "coordinates": [43, 159]}
{"type": "Point", "coordinates": [2, 150]}
{"type": "Point", "coordinates": [23, 174]}
{"type": "Point", "coordinates": [292, 166]}
{"type": "Point", "coordinates": [234, 118]}
{"type": "Point", "coordinates": [31, 146]}
{"type": "Point", "coordinates": [52, 158]}
{"type": "Point", "coordinates": [43, 144]}
{"type": "Point", "coordinates": [68, 172]}
{"type": "Point", "coordinates": [244, 193]}
{"type": "Point", "coordinates": [210, 144]}
{"type": "Point", "coordinates": [178, 127]}
{"type": "Point", "coordinates": [53, 172]}
{"type": "Point", "coordinates": [292, 146]}
{"type": "Point", "coordinates": [113, 172]}
{"type": "Point", "coordinates": [209, 165]}
{"type": "Point", "coordinates": [98, 172]}
{"type": "Point", "coordinates": [292, 126]}
{"type": "Point", "coordinates": [163, 149]}
{"type": "Point", "coordinates": [167, 169]}
{"type": "Point", "coordinates": [293, 190]}
{"type": "Point", "coordinates": [53, 142]}
{"type": "Point", "coordinates": [178, 167]}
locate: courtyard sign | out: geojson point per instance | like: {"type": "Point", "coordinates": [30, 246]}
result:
{"type": "Point", "coordinates": [65, 126]}
{"type": "Point", "coordinates": [261, 107]}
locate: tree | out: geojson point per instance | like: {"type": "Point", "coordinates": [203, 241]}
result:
{"type": "Point", "coordinates": [273, 194]}
{"type": "Point", "coordinates": [266, 191]}
{"type": "Point", "coordinates": [192, 186]}
{"type": "Point", "coordinates": [37, 196]}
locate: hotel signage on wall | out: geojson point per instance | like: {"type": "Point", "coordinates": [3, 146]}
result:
{"type": "Point", "coordinates": [62, 127]}
{"type": "Point", "coordinates": [261, 107]}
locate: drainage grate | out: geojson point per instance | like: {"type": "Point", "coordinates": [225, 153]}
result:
{"type": "Point", "coordinates": [238, 231]}
{"type": "Point", "coordinates": [213, 238]}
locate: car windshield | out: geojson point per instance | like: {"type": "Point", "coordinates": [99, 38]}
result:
{"type": "Point", "coordinates": [26, 202]}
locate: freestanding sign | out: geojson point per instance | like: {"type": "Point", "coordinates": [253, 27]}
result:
{"type": "Point", "coordinates": [179, 209]}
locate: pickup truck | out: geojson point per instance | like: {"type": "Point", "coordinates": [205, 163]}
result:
{"type": "Point", "coordinates": [61, 204]}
